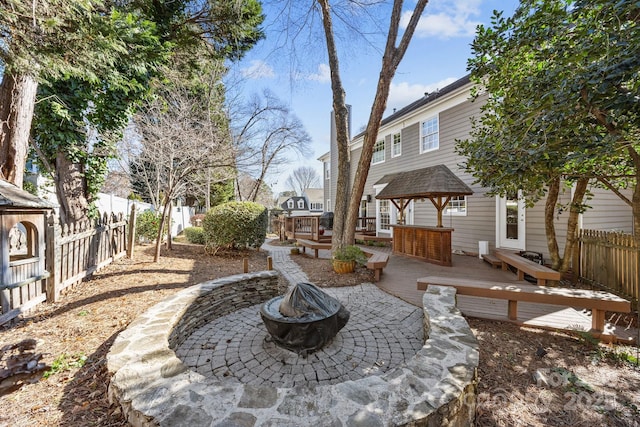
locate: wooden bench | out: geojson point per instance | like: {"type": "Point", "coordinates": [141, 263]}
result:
{"type": "Point", "coordinates": [313, 245]}
{"type": "Point", "coordinates": [599, 302]}
{"type": "Point", "coordinates": [376, 261]}
{"type": "Point", "coordinates": [525, 266]}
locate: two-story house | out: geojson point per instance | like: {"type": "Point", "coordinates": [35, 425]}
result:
{"type": "Point", "coordinates": [423, 134]}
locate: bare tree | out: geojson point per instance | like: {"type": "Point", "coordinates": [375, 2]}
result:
{"type": "Point", "coordinates": [181, 135]}
{"type": "Point", "coordinates": [264, 133]}
{"type": "Point", "coordinates": [302, 178]}
{"type": "Point", "coordinates": [347, 205]}
{"type": "Point", "coordinates": [362, 25]}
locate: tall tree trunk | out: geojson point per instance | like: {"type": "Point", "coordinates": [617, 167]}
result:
{"type": "Point", "coordinates": [17, 101]}
{"type": "Point", "coordinates": [163, 217]}
{"type": "Point", "coordinates": [390, 61]}
{"type": "Point", "coordinates": [169, 219]}
{"type": "Point", "coordinates": [576, 207]}
{"type": "Point", "coordinates": [575, 210]}
{"type": "Point", "coordinates": [341, 113]}
{"type": "Point", "coordinates": [549, 224]}
{"type": "Point", "coordinates": [71, 189]}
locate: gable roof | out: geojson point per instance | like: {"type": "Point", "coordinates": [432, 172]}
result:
{"type": "Point", "coordinates": [420, 183]}
{"type": "Point", "coordinates": [426, 99]}
{"type": "Point", "coordinates": [12, 196]}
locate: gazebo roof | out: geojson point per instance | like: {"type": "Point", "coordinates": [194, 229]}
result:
{"type": "Point", "coordinates": [428, 182]}
{"type": "Point", "coordinates": [12, 196]}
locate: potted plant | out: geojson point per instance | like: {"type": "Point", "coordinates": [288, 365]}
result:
{"type": "Point", "coordinates": [345, 259]}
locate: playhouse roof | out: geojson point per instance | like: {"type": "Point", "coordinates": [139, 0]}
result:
{"type": "Point", "coordinates": [12, 196]}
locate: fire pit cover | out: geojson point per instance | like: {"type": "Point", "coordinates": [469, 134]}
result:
{"type": "Point", "coordinates": [304, 319]}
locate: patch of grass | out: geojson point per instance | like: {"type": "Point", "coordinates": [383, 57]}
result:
{"type": "Point", "coordinates": [65, 362]}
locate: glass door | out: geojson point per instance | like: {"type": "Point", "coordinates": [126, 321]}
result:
{"type": "Point", "coordinates": [510, 222]}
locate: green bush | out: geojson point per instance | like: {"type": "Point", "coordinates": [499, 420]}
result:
{"type": "Point", "coordinates": [235, 225]}
{"type": "Point", "coordinates": [147, 224]}
{"type": "Point", "coordinates": [194, 235]}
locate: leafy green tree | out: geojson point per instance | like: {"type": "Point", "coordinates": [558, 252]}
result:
{"type": "Point", "coordinates": [560, 81]}
{"type": "Point", "coordinates": [187, 30]}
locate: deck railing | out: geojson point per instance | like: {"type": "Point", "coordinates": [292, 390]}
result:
{"type": "Point", "coordinates": [610, 261]}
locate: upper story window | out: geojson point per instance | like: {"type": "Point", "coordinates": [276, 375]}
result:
{"type": "Point", "coordinates": [290, 204]}
{"type": "Point", "coordinates": [316, 206]}
{"type": "Point", "coordinates": [328, 205]}
{"type": "Point", "coordinates": [457, 206]}
{"type": "Point", "coordinates": [300, 204]}
{"type": "Point", "coordinates": [378, 152]}
{"type": "Point", "coordinates": [327, 170]}
{"type": "Point", "coordinates": [429, 135]}
{"type": "Point", "coordinates": [396, 145]}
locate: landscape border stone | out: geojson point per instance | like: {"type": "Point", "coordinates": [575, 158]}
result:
{"type": "Point", "coordinates": [155, 388]}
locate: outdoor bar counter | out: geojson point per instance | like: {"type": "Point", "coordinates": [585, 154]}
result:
{"type": "Point", "coordinates": [432, 244]}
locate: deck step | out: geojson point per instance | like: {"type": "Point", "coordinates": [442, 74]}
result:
{"type": "Point", "coordinates": [492, 260]}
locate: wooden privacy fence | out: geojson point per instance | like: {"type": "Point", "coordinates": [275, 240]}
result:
{"type": "Point", "coordinates": [610, 261]}
{"type": "Point", "coordinates": [73, 252]}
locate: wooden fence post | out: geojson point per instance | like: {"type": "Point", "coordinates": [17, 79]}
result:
{"type": "Point", "coordinates": [132, 231]}
{"type": "Point", "coordinates": [52, 258]}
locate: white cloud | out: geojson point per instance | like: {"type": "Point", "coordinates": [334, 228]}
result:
{"type": "Point", "coordinates": [322, 76]}
{"type": "Point", "coordinates": [403, 93]}
{"type": "Point", "coordinates": [447, 19]}
{"type": "Point", "coordinates": [258, 70]}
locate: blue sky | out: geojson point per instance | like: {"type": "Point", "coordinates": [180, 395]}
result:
{"type": "Point", "coordinates": [437, 56]}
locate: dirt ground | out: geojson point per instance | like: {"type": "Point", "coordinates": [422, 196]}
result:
{"type": "Point", "coordinates": [587, 384]}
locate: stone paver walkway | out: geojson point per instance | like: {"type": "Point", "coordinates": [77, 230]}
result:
{"type": "Point", "coordinates": [382, 333]}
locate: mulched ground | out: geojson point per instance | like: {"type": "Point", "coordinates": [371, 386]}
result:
{"type": "Point", "coordinates": [588, 384]}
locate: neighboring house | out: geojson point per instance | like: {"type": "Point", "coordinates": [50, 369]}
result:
{"type": "Point", "coordinates": [314, 197]}
{"type": "Point", "coordinates": [295, 206]}
{"type": "Point", "coordinates": [423, 134]}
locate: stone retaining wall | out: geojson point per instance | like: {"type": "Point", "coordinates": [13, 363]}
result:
{"type": "Point", "coordinates": [436, 387]}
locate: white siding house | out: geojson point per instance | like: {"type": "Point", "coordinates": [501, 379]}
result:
{"type": "Point", "coordinates": [424, 134]}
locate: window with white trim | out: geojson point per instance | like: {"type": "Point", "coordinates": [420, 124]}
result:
{"type": "Point", "coordinates": [316, 206]}
{"type": "Point", "coordinates": [429, 135]}
{"type": "Point", "coordinates": [328, 205]}
{"type": "Point", "coordinates": [327, 170]}
{"type": "Point", "coordinates": [456, 206]}
{"type": "Point", "coordinates": [378, 152]}
{"type": "Point", "coordinates": [290, 204]}
{"type": "Point", "coordinates": [396, 145]}
{"type": "Point", "coordinates": [300, 204]}
{"type": "Point", "coordinates": [385, 214]}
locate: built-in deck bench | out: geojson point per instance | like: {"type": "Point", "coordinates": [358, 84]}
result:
{"type": "Point", "coordinates": [525, 266]}
{"type": "Point", "coordinates": [598, 301]}
{"type": "Point", "coordinates": [376, 261]}
{"type": "Point", "coordinates": [313, 245]}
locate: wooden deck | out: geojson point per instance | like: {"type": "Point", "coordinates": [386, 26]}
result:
{"type": "Point", "coordinates": [402, 273]}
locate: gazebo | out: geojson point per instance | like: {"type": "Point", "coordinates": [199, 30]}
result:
{"type": "Point", "coordinates": [22, 239]}
{"type": "Point", "coordinates": [436, 183]}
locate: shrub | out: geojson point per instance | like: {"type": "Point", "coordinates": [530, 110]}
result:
{"type": "Point", "coordinates": [235, 225]}
{"type": "Point", "coordinates": [351, 253]}
{"type": "Point", "coordinates": [194, 235]}
{"type": "Point", "coordinates": [147, 224]}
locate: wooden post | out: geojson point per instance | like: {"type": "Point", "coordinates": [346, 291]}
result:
{"type": "Point", "coordinates": [269, 263]}
{"type": "Point", "coordinates": [132, 231]}
{"type": "Point", "coordinates": [245, 264]}
{"type": "Point", "coordinates": [51, 259]}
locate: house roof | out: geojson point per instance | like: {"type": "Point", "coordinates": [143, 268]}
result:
{"type": "Point", "coordinates": [420, 183]}
{"type": "Point", "coordinates": [295, 200]}
{"type": "Point", "coordinates": [426, 99]}
{"type": "Point", "coordinates": [12, 196]}
{"type": "Point", "coordinates": [314, 193]}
